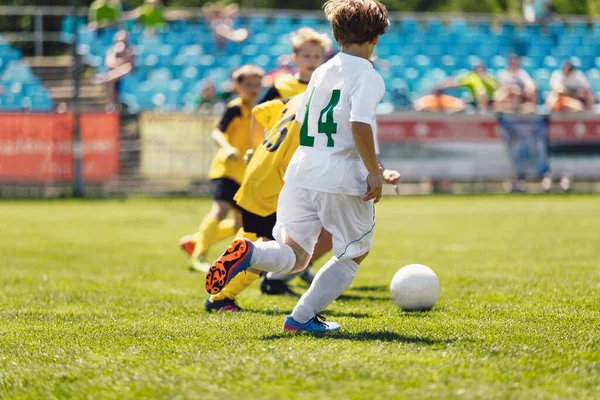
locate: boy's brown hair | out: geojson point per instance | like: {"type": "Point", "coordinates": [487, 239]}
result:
{"type": "Point", "coordinates": [246, 71]}
{"type": "Point", "coordinates": [356, 21]}
{"type": "Point", "coordinates": [309, 35]}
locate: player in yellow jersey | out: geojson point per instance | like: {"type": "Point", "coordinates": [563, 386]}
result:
{"type": "Point", "coordinates": [227, 170]}
{"type": "Point", "coordinates": [308, 52]}
{"type": "Point", "coordinates": [309, 49]}
{"type": "Point", "coordinates": [262, 183]}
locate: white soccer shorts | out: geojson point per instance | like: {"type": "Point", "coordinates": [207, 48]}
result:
{"type": "Point", "coordinates": [301, 213]}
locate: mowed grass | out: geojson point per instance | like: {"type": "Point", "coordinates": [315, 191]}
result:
{"type": "Point", "coordinates": [96, 302]}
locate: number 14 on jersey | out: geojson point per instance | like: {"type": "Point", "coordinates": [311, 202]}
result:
{"type": "Point", "coordinates": [326, 125]}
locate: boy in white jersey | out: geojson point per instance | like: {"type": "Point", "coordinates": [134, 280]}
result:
{"type": "Point", "coordinates": [333, 179]}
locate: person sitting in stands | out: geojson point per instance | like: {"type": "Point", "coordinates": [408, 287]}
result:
{"type": "Point", "coordinates": [119, 62]}
{"type": "Point", "coordinates": [478, 82]}
{"type": "Point", "coordinates": [440, 102]}
{"type": "Point", "coordinates": [517, 92]}
{"type": "Point", "coordinates": [571, 90]}
{"type": "Point", "coordinates": [220, 18]}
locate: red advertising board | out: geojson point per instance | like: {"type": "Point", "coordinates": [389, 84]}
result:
{"type": "Point", "coordinates": [38, 148]}
{"type": "Point", "coordinates": [423, 127]}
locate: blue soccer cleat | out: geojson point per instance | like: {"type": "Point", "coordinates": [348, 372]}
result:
{"type": "Point", "coordinates": [315, 324]}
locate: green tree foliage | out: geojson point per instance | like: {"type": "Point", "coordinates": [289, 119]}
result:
{"type": "Point", "coordinates": [513, 7]}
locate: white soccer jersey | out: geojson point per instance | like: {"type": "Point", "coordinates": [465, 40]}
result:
{"type": "Point", "coordinates": [345, 89]}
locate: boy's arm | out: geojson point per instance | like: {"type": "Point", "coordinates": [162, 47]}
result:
{"type": "Point", "coordinates": [368, 92]}
{"type": "Point", "coordinates": [257, 133]}
{"type": "Point", "coordinates": [221, 141]}
{"type": "Point", "coordinates": [218, 134]}
{"type": "Point", "coordinates": [365, 144]}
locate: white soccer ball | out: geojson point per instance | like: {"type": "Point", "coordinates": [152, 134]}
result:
{"type": "Point", "coordinates": [415, 287]}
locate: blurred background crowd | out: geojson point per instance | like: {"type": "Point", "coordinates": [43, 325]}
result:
{"type": "Point", "coordinates": [154, 57]}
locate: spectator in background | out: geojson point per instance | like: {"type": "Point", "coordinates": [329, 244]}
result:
{"type": "Point", "coordinates": [221, 18]}
{"type": "Point", "coordinates": [478, 82]}
{"type": "Point", "coordinates": [209, 100]}
{"type": "Point", "coordinates": [571, 91]}
{"type": "Point", "coordinates": [104, 13]}
{"type": "Point", "coordinates": [537, 11]}
{"type": "Point", "coordinates": [517, 91]}
{"type": "Point", "coordinates": [119, 62]}
{"type": "Point", "coordinates": [440, 102]}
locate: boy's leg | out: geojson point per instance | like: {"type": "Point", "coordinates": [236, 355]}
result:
{"type": "Point", "coordinates": [297, 231]}
{"type": "Point", "coordinates": [253, 226]}
{"type": "Point", "coordinates": [210, 230]}
{"type": "Point", "coordinates": [330, 282]}
{"type": "Point", "coordinates": [274, 283]}
{"type": "Point", "coordinates": [214, 226]}
{"type": "Point", "coordinates": [351, 222]}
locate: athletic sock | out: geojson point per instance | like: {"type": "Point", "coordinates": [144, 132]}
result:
{"type": "Point", "coordinates": [330, 282]}
{"type": "Point", "coordinates": [236, 286]}
{"type": "Point", "coordinates": [226, 229]}
{"type": "Point", "coordinates": [211, 231]}
{"type": "Point", "coordinates": [207, 230]}
{"type": "Point", "coordinates": [282, 277]}
{"type": "Point", "coordinates": [273, 257]}
{"type": "Point", "coordinates": [246, 235]}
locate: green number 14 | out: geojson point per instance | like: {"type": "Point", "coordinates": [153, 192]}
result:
{"type": "Point", "coordinates": [326, 124]}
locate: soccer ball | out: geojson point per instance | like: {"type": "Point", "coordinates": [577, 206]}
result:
{"type": "Point", "coordinates": [415, 287]}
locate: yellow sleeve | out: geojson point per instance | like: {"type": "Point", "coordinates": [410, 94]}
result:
{"type": "Point", "coordinates": [266, 114]}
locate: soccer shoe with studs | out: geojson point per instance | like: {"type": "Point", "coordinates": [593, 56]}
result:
{"type": "Point", "coordinates": [315, 324]}
{"type": "Point", "coordinates": [235, 260]}
{"type": "Point", "coordinates": [187, 244]}
{"type": "Point", "coordinates": [226, 305]}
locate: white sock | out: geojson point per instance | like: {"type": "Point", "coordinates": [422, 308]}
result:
{"type": "Point", "coordinates": [330, 282]}
{"type": "Point", "coordinates": [273, 257]}
{"type": "Point", "coordinates": [283, 277]}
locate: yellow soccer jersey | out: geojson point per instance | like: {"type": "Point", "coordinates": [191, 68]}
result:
{"type": "Point", "coordinates": [263, 180]}
{"type": "Point", "coordinates": [267, 114]}
{"type": "Point", "coordinates": [285, 86]}
{"type": "Point", "coordinates": [235, 125]}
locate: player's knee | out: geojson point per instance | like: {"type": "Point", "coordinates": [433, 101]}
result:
{"type": "Point", "coordinates": [302, 260]}
{"type": "Point", "coordinates": [220, 210]}
{"type": "Point", "coordinates": [360, 259]}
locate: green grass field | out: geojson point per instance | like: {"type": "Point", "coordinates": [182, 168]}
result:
{"type": "Point", "coordinates": [96, 302]}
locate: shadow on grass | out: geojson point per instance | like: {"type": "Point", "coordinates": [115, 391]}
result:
{"type": "Point", "coordinates": [372, 288]}
{"type": "Point", "coordinates": [329, 312]}
{"type": "Point", "coordinates": [381, 336]}
{"type": "Point", "coordinates": [352, 297]}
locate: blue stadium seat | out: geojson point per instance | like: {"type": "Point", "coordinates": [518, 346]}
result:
{"type": "Point", "coordinates": [308, 20]}
{"type": "Point", "coordinates": [459, 27]}
{"type": "Point", "coordinates": [580, 29]}
{"type": "Point", "coordinates": [410, 26]}
{"type": "Point", "coordinates": [41, 101]}
{"type": "Point", "coordinates": [542, 79]}
{"type": "Point", "coordinates": [593, 76]}
{"type": "Point", "coordinates": [161, 74]}
{"type": "Point", "coordinates": [18, 73]}
{"type": "Point", "coordinates": [556, 28]}
{"type": "Point", "coordinates": [411, 77]}
{"type": "Point", "coordinates": [484, 27]}
{"type": "Point", "coordinates": [435, 27]}
{"type": "Point", "coordinates": [507, 28]}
